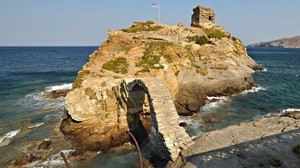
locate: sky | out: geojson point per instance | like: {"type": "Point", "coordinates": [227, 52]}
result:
{"type": "Point", "coordinates": [86, 22]}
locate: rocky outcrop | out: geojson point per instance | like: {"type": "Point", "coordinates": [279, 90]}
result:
{"type": "Point", "coordinates": [257, 143]}
{"type": "Point", "coordinates": [293, 42]}
{"type": "Point", "coordinates": [193, 63]}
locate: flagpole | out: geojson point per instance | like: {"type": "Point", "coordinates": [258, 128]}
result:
{"type": "Point", "coordinates": [158, 13]}
{"type": "Point", "coordinates": [157, 6]}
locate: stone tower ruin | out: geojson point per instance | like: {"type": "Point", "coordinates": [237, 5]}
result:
{"type": "Point", "coordinates": [203, 17]}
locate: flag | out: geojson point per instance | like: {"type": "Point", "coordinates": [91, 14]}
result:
{"type": "Point", "coordinates": [155, 5]}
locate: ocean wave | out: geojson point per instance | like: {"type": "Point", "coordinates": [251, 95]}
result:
{"type": "Point", "coordinates": [213, 102]}
{"type": "Point", "coordinates": [67, 86]}
{"type": "Point", "coordinates": [281, 113]}
{"type": "Point", "coordinates": [9, 135]}
{"type": "Point", "coordinates": [37, 101]}
{"type": "Point", "coordinates": [36, 125]}
{"type": "Point", "coordinates": [253, 90]}
{"type": "Point", "coordinates": [219, 98]}
{"type": "Point", "coordinates": [288, 110]}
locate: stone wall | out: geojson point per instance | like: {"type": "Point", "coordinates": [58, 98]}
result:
{"type": "Point", "coordinates": [203, 17]}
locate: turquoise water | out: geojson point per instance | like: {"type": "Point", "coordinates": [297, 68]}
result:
{"type": "Point", "coordinates": [26, 73]}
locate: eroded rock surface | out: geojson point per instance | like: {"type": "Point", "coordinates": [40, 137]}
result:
{"type": "Point", "coordinates": [260, 143]}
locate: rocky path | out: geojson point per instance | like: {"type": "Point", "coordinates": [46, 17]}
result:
{"type": "Point", "coordinates": [267, 142]}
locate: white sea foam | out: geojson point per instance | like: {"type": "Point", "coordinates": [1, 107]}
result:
{"type": "Point", "coordinates": [59, 87]}
{"type": "Point", "coordinates": [253, 90]}
{"type": "Point", "coordinates": [277, 114]}
{"type": "Point", "coordinates": [55, 160]}
{"type": "Point", "coordinates": [9, 135]}
{"type": "Point", "coordinates": [36, 125]}
{"type": "Point", "coordinates": [36, 100]}
{"type": "Point", "coordinates": [288, 110]}
{"type": "Point", "coordinates": [219, 98]}
{"type": "Point", "coordinates": [215, 102]}
{"type": "Point", "coordinates": [265, 69]}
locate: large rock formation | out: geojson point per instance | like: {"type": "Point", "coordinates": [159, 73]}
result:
{"type": "Point", "coordinates": [193, 63]}
{"type": "Point", "coordinates": [293, 42]}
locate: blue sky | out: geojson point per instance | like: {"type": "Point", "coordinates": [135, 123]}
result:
{"type": "Point", "coordinates": [85, 22]}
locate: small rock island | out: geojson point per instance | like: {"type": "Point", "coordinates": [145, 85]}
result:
{"type": "Point", "coordinates": [141, 78]}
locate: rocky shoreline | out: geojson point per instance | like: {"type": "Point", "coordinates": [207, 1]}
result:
{"type": "Point", "coordinates": [269, 141]}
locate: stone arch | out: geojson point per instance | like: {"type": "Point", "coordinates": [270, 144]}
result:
{"type": "Point", "coordinates": [166, 136]}
{"type": "Point", "coordinates": [138, 93]}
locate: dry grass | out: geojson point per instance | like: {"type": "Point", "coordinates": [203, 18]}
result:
{"type": "Point", "coordinates": [78, 81]}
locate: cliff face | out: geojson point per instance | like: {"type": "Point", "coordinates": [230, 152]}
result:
{"type": "Point", "coordinates": [293, 42]}
{"type": "Point", "coordinates": [193, 62]}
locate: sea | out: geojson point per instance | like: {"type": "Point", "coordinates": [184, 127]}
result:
{"type": "Point", "coordinates": [27, 118]}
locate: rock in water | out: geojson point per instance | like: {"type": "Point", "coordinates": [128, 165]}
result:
{"type": "Point", "coordinates": [27, 159]}
{"type": "Point", "coordinates": [56, 94]}
{"type": "Point", "coordinates": [45, 145]}
{"type": "Point", "coordinates": [193, 62]}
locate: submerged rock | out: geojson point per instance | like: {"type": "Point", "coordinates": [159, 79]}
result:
{"type": "Point", "coordinates": [27, 159]}
{"type": "Point", "coordinates": [45, 145]}
{"type": "Point", "coordinates": [56, 94]}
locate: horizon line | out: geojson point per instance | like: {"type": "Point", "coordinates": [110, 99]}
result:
{"type": "Point", "coordinates": [49, 45]}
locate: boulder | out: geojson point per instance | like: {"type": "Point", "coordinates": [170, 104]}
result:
{"type": "Point", "coordinates": [24, 160]}
{"type": "Point", "coordinates": [45, 145]}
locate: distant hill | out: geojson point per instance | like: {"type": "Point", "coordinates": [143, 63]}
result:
{"type": "Point", "coordinates": [293, 42]}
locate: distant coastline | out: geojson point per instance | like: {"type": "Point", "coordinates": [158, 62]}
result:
{"type": "Point", "coordinates": [292, 42]}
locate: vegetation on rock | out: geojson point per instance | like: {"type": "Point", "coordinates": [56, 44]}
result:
{"type": "Point", "coordinates": [201, 40]}
{"type": "Point", "coordinates": [215, 33]}
{"type": "Point", "coordinates": [152, 55]}
{"type": "Point", "coordinates": [201, 70]}
{"type": "Point", "coordinates": [143, 26]}
{"type": "Point", "coordinates": [91, 93]}
{"type": "Point", "coordinates": [78, 81]}
{"type": "Point", "coordinates": [118, 65]}
{"type": "Point", "coordinates": [127, 49]}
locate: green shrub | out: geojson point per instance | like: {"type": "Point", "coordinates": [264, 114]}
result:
{"type": "Point", "coordinates": [118, 65]}
{"type": "Point", "coordinates": [201, 40]}
{"type": "Point", "coordinates": [149, 60]}
{"type": "Point", "coordinates": [215, 33]}
{"type": "Point", "coordinates": [78, 81]}
{"type": "Point", "coordinates": [143, 26]}
{"type": "Point", "coordinates": [127, 49]}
